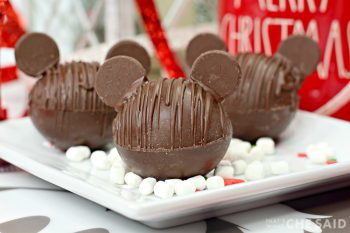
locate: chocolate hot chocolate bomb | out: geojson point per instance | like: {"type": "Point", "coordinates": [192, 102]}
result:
{"type": "Point", "coordinates": [266, 99]}
{"type": "Point", "coordinates": [63, 104]}
{"type": "Point", "coordinates": [170, 128]}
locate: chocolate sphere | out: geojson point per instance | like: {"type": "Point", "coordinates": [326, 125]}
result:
{"type": "Point", "coordinates": [65, 108]}
{"type": "Point", "coordinates": [63, 104]}
{"type": "Point", "coordinates": [266, 99]}
{"type": "Point", "coordinates": [170, 128]}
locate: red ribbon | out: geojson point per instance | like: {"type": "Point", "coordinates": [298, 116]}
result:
{"type": "Point", "coordinates": [154, 28]}
{"type": "Point", "coordinates": [11, 30]}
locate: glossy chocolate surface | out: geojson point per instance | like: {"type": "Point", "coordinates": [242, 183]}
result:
{"type": "Point", "coordinates": [35, 53]}
{"type": "Point", "coordinates": [265, 100]}
{"type": "Point", "coordinates": [65, 108]}
{"type": "Point", "coordinates": [171, 128]}
{"type": "Point", "coordinates": [63, 104]}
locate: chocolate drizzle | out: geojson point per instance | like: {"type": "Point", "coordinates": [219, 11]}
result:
{"type": "Point", "coordinates": [169, 114]}
{"type": "Point", "coordinates": [65, 107]}
{"type": "Point", "coordinates": [170, 128]}
{"type": "Point", "coordinates": [63, 104]}
{"type": "Point", "coordinates": [68, 87]}
{"type": "Point", "coordinates": [266, 100]}
{"type": "Point", "coordinates": [267, 83]}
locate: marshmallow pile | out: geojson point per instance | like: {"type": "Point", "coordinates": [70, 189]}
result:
{"type": "Point", "coordinates": [241, 159]}
{"type": "Point", "coordinates": [244, 159]}
{"type": "Point", "coordinates": [320, 153]}
{"type": "Point", "coordinates": [99, 159]}
{"type": "Point", "coordinates": [119, 175]}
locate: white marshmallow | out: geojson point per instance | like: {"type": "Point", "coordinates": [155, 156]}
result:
{"type": "Point", "coordinates": [99, 160]}
{"type": "Point", "coordinates": [238, 150]}
{"type": "Point", "coordinates": [329, 152]}
{"type": "Point", "coordinates": [147, 186]}
{"type": "Point", "coordinates": [255, 154]}
{"type": "Point", "coordinates": [173, 181]}
{"type": "Point", "coordinates": [224, 171]}
{"type": "Point", "coordinates": [324, 147]}
{"type": "Point", "coordinates": [224, 163]}
{"type": "Point", "coordinates": [317, 156]}
{"type": "Point", "coordinates": [117, 164]}
{"type": "Point", "coordinates": [236, 141]}
{"type": "Point", "coordinates": [199, 182]}
{"type": "Point", "coordinates": [163, 189]}
{"type": "Point", "coordinates": [267, 168]}
{"type": "Point", "coordinates": [78, 153]}
{"type": "Point", "coordinates": [117, 174]}
{"type": "Point", "coordinates": [185, 187]}
{"type": "Point", "coordinates": [239, 167]}
{"type": "Point", "coordinates": [215, 182]}
{"type": "Point", "coordinates": [266, 144]}
{"type": "Point", "coordinates": [279, 167]}
{"type": "Point", "coordinates": [113, 156]}
{"type": "Point", "coordinates": [311, 147]}
{"type": "Point", "coordinates": [255, 171]}
{"type": "Point", "coordinates": [132, 179]}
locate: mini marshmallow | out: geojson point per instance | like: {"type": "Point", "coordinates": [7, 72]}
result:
{"type": "Point", "coordinates": [224, 163]}
{"type": "Point", "coordinates": [215, 182]}
{"type": "Point", "coordinates": [173, 181]}
{"type": "Point", "coordinates": [317, 156]}
{"type": "Point", "coordinates": [238, 150]}
{"type": "Point", "coordinates": [132, 179]}
{"type": "Point", "coordinates": [279, 167]}
{"type": "Point", "coordinates": [117, 174]}
{"type": "Point", "coordinates": [117, 164]}
{"type": "Point", "coordinates": [78, 153]}
{"type": "Point", "coordinates": [255, 154]}
{"type": "Point", "coordinates": [224, 171]}
{"type": "Point", "coordinates": [113, 156]}
{"type": "Point", "coordinates": [267, 168]}
{"type": "Point", "coordinates": [147, 186]}
{"type": "Point", "coordinates": [185, 187]}
{"type": "Point", "coordinates": [163, 189]}
{"type": "Point", "coordinates": [99, 160]}
{"type": "Point", "coordinates": [324, 147]}
{"type": "Point", "coordinates": [239, 167]}
{"type": "Point", "coordinates": [266, 144]}
{"type": "Point", "coordinates": [199, 182]}
{"type": "Point", "coordinates": [255, 171]}
{"type": "Point", "coordinates": [236, 141]}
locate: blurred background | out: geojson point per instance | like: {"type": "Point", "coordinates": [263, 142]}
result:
{"type": "Point", "coordinates": [84, 23]}
{"type": "Point", "coordinates": [86, 29]}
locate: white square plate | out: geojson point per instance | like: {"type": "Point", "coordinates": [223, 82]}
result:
{"type": "Point", "coordinates": [23, 146]}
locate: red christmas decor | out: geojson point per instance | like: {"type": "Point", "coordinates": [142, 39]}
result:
{"type": "Point", "coordinates": [154, 28]}
{"type": "Point", "coordinates": [233, 181]}
{"type": "Point", "coordinates": [10, 31]}
{"type": "Point", "coordinates": [302, 155]}
{"type": "Point", "coordinates": [11, 28]}
{"type": "Point", "coordinates": [259, 26]}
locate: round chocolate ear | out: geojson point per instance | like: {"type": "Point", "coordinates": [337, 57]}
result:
{"type": "Point", "coordinates": [35, 53]}
{"type": "Point", "coordinates": [301, 51]}
{"type": "Point", "coordinates": [202, 43]}
{"type": "Point", "coordinates": [131, 49]}
{"type": "Point", "coordinates": [217, 71]}
{"type": "Point", "coordinates": [115, 77]}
